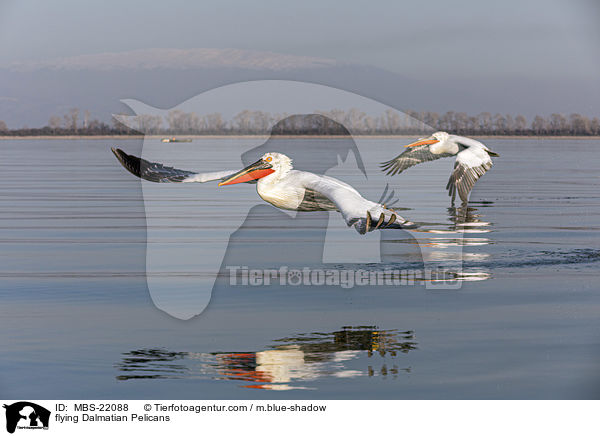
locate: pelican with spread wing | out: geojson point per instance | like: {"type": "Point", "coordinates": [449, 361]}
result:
{"type": "Point", "coordinates": [279, 184]}
{"type": "Point", "coordinates": [473, 159]}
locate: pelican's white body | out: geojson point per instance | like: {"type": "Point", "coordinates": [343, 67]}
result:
{"type": "Point", "coordinates": [286, 189]}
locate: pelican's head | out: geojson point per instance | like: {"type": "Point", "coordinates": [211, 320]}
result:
{"type": "Point", "coordinates": [433, 139]}
{"type": "Point", "coordinates": [271, 163]}
{"type": "Point", "coordinates": [279, 161]}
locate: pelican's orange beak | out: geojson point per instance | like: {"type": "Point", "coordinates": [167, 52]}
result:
{"type": "Point", "coordinates": [259, 169]}
{"type": "Point", "coordinates": [427, 141]}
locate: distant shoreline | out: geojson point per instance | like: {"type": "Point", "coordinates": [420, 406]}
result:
{"type": "Point", "coordinates": [131, 137]}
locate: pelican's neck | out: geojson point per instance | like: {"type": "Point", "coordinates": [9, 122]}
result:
{"type": "Point", "coordinates": [467, 142]}
{"type": "Point", "coordinates": [444, 146]}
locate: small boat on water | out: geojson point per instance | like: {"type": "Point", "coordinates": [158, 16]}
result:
{"type": "Point", "coordinates": [173, 139]}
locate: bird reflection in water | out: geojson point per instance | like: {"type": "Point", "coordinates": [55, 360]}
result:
{"type": "Point", "coordinates": [288, 362]}
{"type": "Point", "coordinates": [447, 245]}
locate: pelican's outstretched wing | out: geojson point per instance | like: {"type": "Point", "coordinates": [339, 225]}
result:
{"type": "Point", "coordinates": [156, 172]}
{"type": "Point", "coordinates": [471, 164]}
{"type": "Point", "coordinates": [411, 157]}
{"type": "Point", "coordinates": [357, 211]}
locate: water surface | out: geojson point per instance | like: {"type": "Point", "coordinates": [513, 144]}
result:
{"type": "Point", "coordinates": [78, 320]}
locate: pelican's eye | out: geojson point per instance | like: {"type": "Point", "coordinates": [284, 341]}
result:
{"type": "Point", "coordinates": [269, 159]}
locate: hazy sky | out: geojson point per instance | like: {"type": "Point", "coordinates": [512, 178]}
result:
{"type": "Point", "coordinates": [531, 38]}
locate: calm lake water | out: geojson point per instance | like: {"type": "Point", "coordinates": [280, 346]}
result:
{"type": "Point", "coordinates": [81, 310]}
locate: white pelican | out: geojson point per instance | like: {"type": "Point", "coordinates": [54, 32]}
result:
{"type": "Point", "coordinates": [472, 160]}
{"type": "Point", "coordinates": [279, 184]}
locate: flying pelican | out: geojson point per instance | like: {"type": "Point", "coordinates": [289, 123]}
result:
{"type": "Point", "coordinates": [472, 160]}
{"type": "Point", "coordinates": [279, 184]}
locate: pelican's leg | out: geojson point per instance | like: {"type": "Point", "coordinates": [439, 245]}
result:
{"type": "Point", "coordinates": [391, 221]}
{"type": "Point", "coordinates": [380, 221]}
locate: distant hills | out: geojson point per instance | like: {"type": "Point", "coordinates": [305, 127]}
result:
{"type": "Point", "coordinates": [32, 92]}
{"type": "Point", "coordinates": [178, 59]}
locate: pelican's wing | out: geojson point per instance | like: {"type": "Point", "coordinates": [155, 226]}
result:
{"type": "Point", "coordinates": [357, 211]}
{"type": "Point", "coordinates": [159, 173]}
{"type": "Point", "coordinates": [411, 157]}
{"type": "Point", "coordinates": [470, 165]}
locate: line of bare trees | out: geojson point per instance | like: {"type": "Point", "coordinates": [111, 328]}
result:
{"type": "Point", "coordinates": [249, 122]}
{"type": "Point", "coordinates": [487, 124]}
